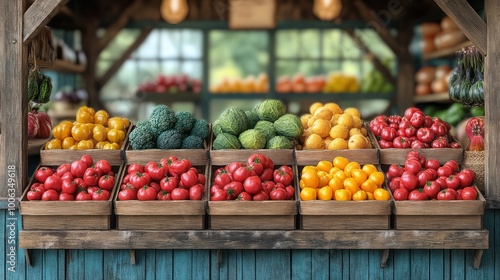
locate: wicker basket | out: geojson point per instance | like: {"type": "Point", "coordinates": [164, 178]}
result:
{"type": "Point", "coordinates": [475, 161]}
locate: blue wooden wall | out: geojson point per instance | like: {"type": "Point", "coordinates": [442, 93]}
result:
{"type": "Point", "coordinates": [256, 264]}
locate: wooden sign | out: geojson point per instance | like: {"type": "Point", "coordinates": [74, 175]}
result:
{"type": "Point", "coordinates": [252, 14]}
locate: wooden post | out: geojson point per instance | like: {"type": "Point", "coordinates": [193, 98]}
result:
{"type": "Point", "coordinates": [13, 103]}
{"type": "Point", "coordinates": [405, 83]}
{"type": "Point", "coordinates": [492, 100]}
{"type": "Point", "coordinates": [91, 50]}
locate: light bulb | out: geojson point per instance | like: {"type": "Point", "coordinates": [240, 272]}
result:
{"type": "Point", "coordinates": [327, 9]}
{"type": "Point", "coordinates": [174, 11]}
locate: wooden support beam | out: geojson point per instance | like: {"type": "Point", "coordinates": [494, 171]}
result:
{"type": "Point", "coordinates": [376, 61]}
{"type": "Point", "coordinates": [405, 89]}
{"type": "Point", "coordinates": [492, 100]}
{"type": "Point", "coordinates": [37, 15]}
{"type": "Point", "coordinates": [374, 21]}
{"type": "Point", "coordinates": [467, 19]}
{"type": "Point", "coordinates": [116, 66]}
{"type": "Point", "coordinates": [89, 37]}
{"type": "Point", "coordinates": [118, 25]}
{"type": "Point", "coordinates": [13, 105]}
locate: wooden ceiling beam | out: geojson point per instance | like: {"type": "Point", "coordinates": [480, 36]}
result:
{"type": "Point", "coordinates": [467, 19]}
{"type": "Point", "coordinates": [116, 66]}
{"type": "Point", "coordinates": [118, 25]}
{"type": "Point", "coordinates": [37, 16]}
{"type": "Point", "coordinates": [372, 21]}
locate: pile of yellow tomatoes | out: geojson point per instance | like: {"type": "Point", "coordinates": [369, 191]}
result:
{"type": "Point", "coordinates": [342, 180]}
{"type": "Point", "coordinates": [91, 130]}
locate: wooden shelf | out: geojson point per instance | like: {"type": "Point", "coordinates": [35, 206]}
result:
{"type": "Point", "coordinates": [303, 96]}
{"type": "Point", "coordinates": [168, 97]}
{"type": "Point", "coordinates": [448, 52]}
{"type": "Point", "coordinates": [60, 66]}
{"type": "Point", "coordinates": [34, 146]}
{"type": "Point", "coordinates": [430, 98]}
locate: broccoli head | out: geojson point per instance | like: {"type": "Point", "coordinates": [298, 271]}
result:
{"type": "Point", "coordinates": [162, 118]}
{"type": "Point", "coordinates": [147, 126]}
{"type": "Point", "coordinates": [192, 142]}
{"type": "Point", "coordinates": [140, 138]}
{"type": "Point", "coordinates": [169, 139]}
{"type": "Point", "coordinates": [200, 129]}
{"type": "Point", "coordinates": [185, 122]}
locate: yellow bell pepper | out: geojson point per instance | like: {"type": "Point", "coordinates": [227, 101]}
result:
{"type": "Point", "coordinates": [116, 135]}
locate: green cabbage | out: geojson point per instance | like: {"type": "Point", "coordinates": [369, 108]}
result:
{"type": "Point", "coordinates": [233, 121]}
{"type": "Point", "coordinates": [267, 128]}
{"type": "Point", "coordinates": [271, 110]}
{"type": "Point", "coordinates": [252, 118]}
{"type": "Point", "coordinates": [289, 125]}
{"type": "Point", "coordinates": [279, 142]}
{"type": "Point", "coordinates": [226, 141]}
{"type": "Point", "coordinates": [252, 139]}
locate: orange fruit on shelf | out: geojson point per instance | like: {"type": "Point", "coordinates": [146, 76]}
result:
{"type": "Point", "coordinates": [369, 186]}
{"type": "Point", "coordinates": [313, 142]}
{"type": "Point", "coordinates": [369, 169]}
{"type": "Point", "coordinates": [308, 194]}
{"type": "Point", "coordinates": [325, 193]}
{"type": "Point", "coordinates": [337, 144]}
{"type": "Point", "coordinates": [321, 127]}
{"type": "Point", "coordinates": [340, 162]}
{"type": "Point", "coordinates": [339, 131]}
{"type": "Point", "coordinates": [381, 194]}
{"type": "Point", "coordinates": [310, 179]}
{"type": "Point", "coordinates": [353, 112]}
{"type": "Point", "coordinates": [323, 113]}
{"type": "Point", "coordinates": [351, 166]}
{"type": "Point", "coordinates": [378, 178]}
{"type": "Point", "coordinates": [359, 175]}
{"type": "Point", "coordinates": [314, 107]}
{"type": "Point", "coordinates": [334, 107]}
{"type": "Point", "coordinates": [351, 185]}
{"type": "Point", "coordinates": [346, 120]}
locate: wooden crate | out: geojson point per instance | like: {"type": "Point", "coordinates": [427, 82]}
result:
{"type": "Point", "coordinates": [340, 215]}
{"type": "Point", "coordinates": [257, 215]}
{"type": "Point", "coordinates": [57, 157]}
{"type": "Point", "coordinates": [163, 215]}
{"type": "Point", "coordinates": [363, 156]}
{"type": "Point", "coordinates": [439, 214]}
{"type": "Point", "coordinates": [68, 215]}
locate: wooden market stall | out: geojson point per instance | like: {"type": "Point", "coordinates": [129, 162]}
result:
{"type": "Point", "coordinates": [23, 20]}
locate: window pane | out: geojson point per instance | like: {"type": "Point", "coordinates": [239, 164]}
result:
{"type": "Point", "coordinates": [149, 48]}
{"type": "Point", "coordinates": [351, 68]}
{"type": "Point", "coordinates": [146, 71]}
{"type": "Point", "coordinates": [170, 42]}
{"type": "Point", "coordinates": [287, 43]}
{"type": "Point", "coordinates": [103, 66]}
{"type": "Point", "coordinates": [375, 44]}
{"type": "Point", "coordinates": [170, 67]}
{"type": "Point", "coordinates": [309, 44]}
{"type": "Point", "coordinates": [331, 66]}
{"type": "Point", "coordinates": [349, 48]}
{"type": "Point", "coordinates": [192, 43]}
{"type": "Point", "coordinates": [193, 69]}
{"type": "Point", "coordinates": [309, 68]}
{"type": "Point", "coordinates": [286, 68]}
{"type": "Point", "coordinates": [119, 44]}
{"type": "Point", "coordinates": [331, 43]}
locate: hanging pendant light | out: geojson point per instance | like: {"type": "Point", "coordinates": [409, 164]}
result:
{"type": "Point", "coordinates": [327, 10]}
{"type": "Point", "coordinates": [174, 11]}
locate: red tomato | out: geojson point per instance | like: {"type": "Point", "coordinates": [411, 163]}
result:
{"type": "Point", "coordinates": [180, 194]}
{"type": "Point", "coordinates": [63, 168]}
{"type": "Point", "coordinates": [43, 173]}
{"type": "Point", "coordinates": [100, 195]}
{"type": "Point", "coordinates": [146, 193]}
{"type": "Point", "coordinates": [444, 171]}
{"type": "Point", "coordinates": [453, 165]}
{"type": "Point", "coordinates": [127, 186]}
{"type": "Point", "coordinates": [66, 197]}
{"type": "Point", "coordinates": [244, 196]}
{"type": "Point", "coordinates": [455, 145]}
{"type": "Point", "coordinates": [433, 175]}
{"type": "Point", "coordinates": [135, 167]}
{"type": "Point", "coordinates": [270, 164]}
{"type": "Point", "coordinates": [220, 170]}
{"type": "Point", "coordinates": [413, 166]}
{"type": "Point", "coordinates": [188, 179]}
{"type": "Point", "coordinates": [258, 168]}
{"type": "Point", "coordinates": [278, 194]}
{"type": "Point", "coordinates": [441, 182]}
{"type": "Point", "coordinates": [388, 133]}
{"type": "Point", "coordinates": [452, 182]}
{"type": "Point", "coordinates": [401, 142]}
{"type": "Point", "coordinates": [469, 193]}
{"type": "Point", "coordinates": [233, 189]}
{"type": "Point", "coordinates": [440, 142]}
{"type": "Point", "coordinates": [231, 168]}
{"type": "Point", "coordinates": [139, 180]}
{"type": "Point", "coordinates": [80, 184]}
{"type": "Point", "coordinates": [50, 195]}
{"type": "Point", "coordinates": [409, 181]}
{"type": "Point", "coordinates": [283, 175]}
{"type": "Point", "coordinates": [67, 176]}
{"type": "Point", "coordinates": [126, 179]}
{"type": "Point", "coordinates": [258, 158]}
{"type": "Point", "coordinates": [202, 179]}
{"type": "Point", "coordinates": [178, 167]}
{"type": "Point", "coordinates": [432, 188]}
{"type": "Point", "coordinates": [106, 182]}
{"type": "Point", "coordinates": [395, 184]}
{"type": "Point", "coordinates": [168, 184]}
{"type": "Point", "coordinates": [156, 170]}
{"type": "Point", "coordinates": [432, 164]}
{"type": "Point", "coordinates": [425, 135]}
{"type": "Point", "coordinates": [127, 194]}
{"type": "Point", "coordinates": [410, 111]}
{"type": "Point", "coordinates": [428, 121]}
{"type": "Point", "coordinates": [267, 174]}
{"type": "Point", "coordinates": [290, 192]}
{"type": "Point", "coordinates": [400, 194]}
{"type": "Point", "coordinates": [87, 159]}
{"type": "Point", "coordinates": [91, 176]}
{"type": "Point", "coordinates": [394, 119]}
{"type": "Point", "coordinates": [423, 177]}
{"type": "Point", "coordinates": [53, 182]}
{"type": "Point", "coordinates": [471, 173]}
{"type": "Point", "coordinates": [92, 189]}
{"type": "Point", "coordinates": [163, 195]}
{"type": "Point", "coordinates": [404, 124]}
{"type": "Point", "coordinates": [447, 194]}
{"type": "Point", "coordinates": [196, 192]}
{"type": "Point", "coordinates": [458, 196]}
{"type": "Point", "coordinates": [84, 195]}
{"type": "Point", "coordinates": [34, 194]}
{"type": "Point", "coordinates": [439, 127]}
{"type": "Point", "coordinates": [68, 186]}
{"type": "Point", "coordinates": [38, 186]}
{"type": "Point", "coordinates": [242, 173]}
{"type": "Point", "coordinates": [252, 185]}
{"type": "Point", "coordinates": [103, 165]}
{"type": "Point", "coordinates": [410, 132]}
{"type": "Point", "coordinates": [385, 144]}
{"type": "Point", "coordinates": [395, 170]}
{"type": "Point", "coordinates": [417, 194]}
{"type": "Point", "coordinates": [417, 144]}
{"type": "Point", "coordinates": [260, 196]}
{"type": "Point", "coordinates": [218, 194]}
{"type": "Point", "coordinates": [417, 119]}
{"type": "Point", "coordinates": [78, 168]}
{"type": "Point", "coordinates": [268, 186]}
{"type": "Point", "coordinates": [464, 178]}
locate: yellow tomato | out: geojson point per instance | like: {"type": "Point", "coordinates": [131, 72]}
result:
{"type": "Point", "coordinates": [324, 165]}
{"type": "Point", "coordinates": [351, 185]}
{"type": "Point", "coordinates": [100, 145]}
{"type": "Point", "coordinates": [342, 195]}
{"type": "Point", "coordinates": [68, 142]}
{"type": "Point", "coordinates": [369, 186]}
{"type": "Point", "coordinates": [378, 178]}
{"type": "Point", "coordinates": [85, 115]}
{"type": "Point", "coordinates": [99, 133]}
{"type": "Point", "coordinates": [359, 195]}
{"type": "Point", "coordinates": [351, 166]}
{"type": "Point", "coordinates": [358, 175]}
{"type": "Point", "coordinates": [53, 144]}
{"type": "Point", "coordinates": [340, 162]}
{"type": "Point", "coordinates": [308, 194]}
{"type": "Point", "coordinates": [325, 193]}
{"type": "Point", "coordinates": [111, 146]}
{"type": "Point", "coordinates": [336, 184]}
{"type": "Point", "coordinates": [309, 167]}
{"type": "Point", "coordinates": [323, 178]}
{"type": "Point", "coordinates": [101, 117]}
{"type": "Point", "coordinates": [341, 175]}
{"type": "Point", "coordinates": [80, 132]}
{"type": "Point", "coordinates": [116, 123]}
{"type": "Point", "coordinates": [116, 135]}
{"type": "Point", "coordinates": [369, 169]}
{"type": "Point", "coordinates": [62, 130]}
{"type": "Point", "coordinates": [85, 145]}
{"type": "Point", "coordinates": [126, 122]}
{"type": "Point", "coordinates": [310, 179]}
{"type": "Point", "coordinates": [381, 194]}
{"type": "Point", "coordinates": [369, 196]}
{"type": "Point", "coordinates": [333, 170]}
